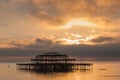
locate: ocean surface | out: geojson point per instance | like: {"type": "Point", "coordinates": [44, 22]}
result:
{"type": "Point", "coordinates": [103, 70]}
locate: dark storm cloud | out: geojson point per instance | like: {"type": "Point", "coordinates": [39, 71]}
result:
{"type": "Point", "coordinates": [43, 41]}
{"type": "Point", "coordinates": [96, 51]}
{"type": "Point", "coordinates": [103, 39]}
{"type": "Point", "coordinates": [16, 52]}
{"type": "Point", "coordinates": [107, 50]}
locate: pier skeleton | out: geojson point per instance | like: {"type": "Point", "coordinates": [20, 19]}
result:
{"type": "Point", "coordinates": [54, 62]}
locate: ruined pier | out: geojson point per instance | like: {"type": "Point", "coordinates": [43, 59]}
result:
{"type": "Point", "coordinates": [54, 62]}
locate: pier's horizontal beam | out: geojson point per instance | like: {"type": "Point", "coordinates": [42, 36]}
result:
{"type": "Point", "coordinates": [53, 59]}
{"type": "Point", "coordinates": [55, 67]}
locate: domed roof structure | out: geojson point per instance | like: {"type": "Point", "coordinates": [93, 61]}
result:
{"type": "Point", "coordinates": [51, 55]}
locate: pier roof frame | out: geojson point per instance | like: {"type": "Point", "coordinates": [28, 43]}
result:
{"type": "Point", "coordinates": [53, 59]}
{"type": "Point", "coordinates": [51, 55]}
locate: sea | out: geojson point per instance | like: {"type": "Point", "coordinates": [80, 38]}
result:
{"type": "Point", "coordinates": [102, 70]}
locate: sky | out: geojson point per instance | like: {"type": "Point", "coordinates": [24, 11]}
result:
{"type": "Point", "coordinates": [88, 29]}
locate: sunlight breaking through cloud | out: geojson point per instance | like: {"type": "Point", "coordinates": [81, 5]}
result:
{"type": "Point", "coordinates": [78, 22]}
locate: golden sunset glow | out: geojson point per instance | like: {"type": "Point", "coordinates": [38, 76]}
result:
{"type": "Point", "coordinates": [78, 22]}
{"type": "Point", "coordinates": [69, 41]}
{"type": "Point", "coordinates": [77, 39]}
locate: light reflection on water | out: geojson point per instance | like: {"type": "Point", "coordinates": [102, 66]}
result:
{"type": "Point", "coordinates": [102, 71]}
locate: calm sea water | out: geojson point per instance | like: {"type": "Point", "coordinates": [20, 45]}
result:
{"type": "Point", "coordinates": [103, 70]}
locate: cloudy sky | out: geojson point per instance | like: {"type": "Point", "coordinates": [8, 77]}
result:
{"type": "Point", "coordinates": [89, 29]}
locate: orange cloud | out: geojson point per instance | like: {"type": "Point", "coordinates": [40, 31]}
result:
{"type": "Point", "coordinates": [108, 3]}
{"type": "Point", "coordinates": [41, 17]}
{"type": "Point", "coordinates": [14, 43]}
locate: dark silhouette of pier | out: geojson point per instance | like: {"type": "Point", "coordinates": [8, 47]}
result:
{"type": "Point", "coordinates": [54, 62]}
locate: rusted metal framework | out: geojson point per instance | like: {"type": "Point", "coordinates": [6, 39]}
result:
{"type": "Point", "coordinates": [54, 62]}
